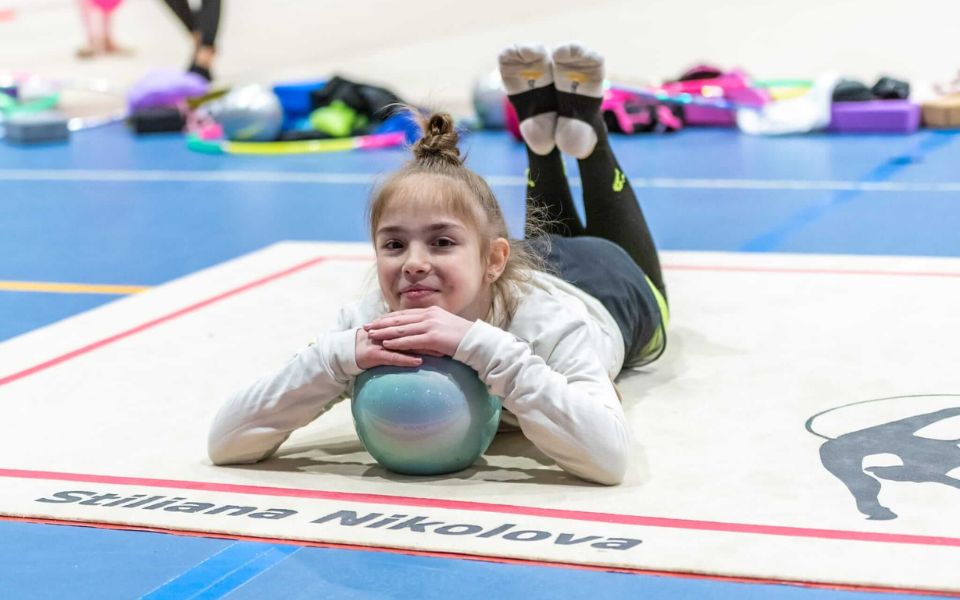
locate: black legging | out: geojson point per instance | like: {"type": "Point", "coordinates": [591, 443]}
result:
{"type": "Point", "coordinates": [206, 20]}
{"type": "Point", "coordinates": [610, 205]}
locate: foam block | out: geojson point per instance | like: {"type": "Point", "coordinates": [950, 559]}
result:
{"type": "Point", "coordinates": [159, 119]}
{"type": "Point", "coordinates": [37, 128]}
{"type": "Point", "coordinates": [875, 116]}
{"type": "Point", "coordinates": [942, 113]}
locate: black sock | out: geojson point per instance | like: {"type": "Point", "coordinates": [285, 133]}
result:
{"type": "Point", "coordinates": [537, 114]}
{"type": "Point", "coordinates": [530, 103]}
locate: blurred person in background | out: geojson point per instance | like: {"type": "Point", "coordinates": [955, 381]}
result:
{"type": "Point", "coordinates": [95, 16]}
{"type": "Point", "coordinates": [202, 24]}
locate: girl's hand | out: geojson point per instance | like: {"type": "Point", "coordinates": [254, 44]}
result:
{"type": "Point", "coordinates": [371, 354]}
{"type": "Point", "coordinates": [431, 331]}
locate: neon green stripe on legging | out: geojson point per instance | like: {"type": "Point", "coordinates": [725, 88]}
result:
{"type": "Point", "coordinates": [656, 342]}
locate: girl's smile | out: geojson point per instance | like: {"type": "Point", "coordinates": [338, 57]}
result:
{"type": "Point", "coordinates": [417, 292]}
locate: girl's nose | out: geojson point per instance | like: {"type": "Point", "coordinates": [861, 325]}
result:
{"type": "Point", "coordinates": [417, 263]}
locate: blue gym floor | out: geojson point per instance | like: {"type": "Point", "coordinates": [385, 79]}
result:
{"type": "Point", "coordinates": [111, 209]}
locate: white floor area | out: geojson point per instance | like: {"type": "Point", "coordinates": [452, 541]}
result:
{"type": "Point", "coordinates": [726, 480]}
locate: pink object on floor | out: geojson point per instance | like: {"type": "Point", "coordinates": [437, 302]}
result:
{"type": "Point", "coordinates": [732, 80]}
{"type": "Point", "coordinates": [616, 101]}
{"type": "Point", "coordinates": [734, 86]}
{"type": "Point", "coordinates": [634, 113]}
{"type": "Point", "coordinates": [210, 131]}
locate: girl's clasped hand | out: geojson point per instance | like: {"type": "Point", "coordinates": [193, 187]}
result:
{"type": "Point", "coordinates": [396, 338]}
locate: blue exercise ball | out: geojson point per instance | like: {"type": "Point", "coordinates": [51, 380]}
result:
{"type": "Point", "coordinates": [429, 420]}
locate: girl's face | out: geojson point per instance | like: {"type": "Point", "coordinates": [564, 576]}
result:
{"type": "Point", "coordinates": [429, 257]}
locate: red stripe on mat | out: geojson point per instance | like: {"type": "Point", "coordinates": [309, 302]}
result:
{"type": "Point", "coordinates": [158, 321]}
{"type": "Point", "coordinates": [494, 559]}
{"type": "Point", "coordinates": [575, 515]}
{"type": "Point", "coordinates": [806, 271]}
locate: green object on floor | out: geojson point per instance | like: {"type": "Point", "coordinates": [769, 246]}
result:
{"type": "Point", "coordinates": [336, 120]}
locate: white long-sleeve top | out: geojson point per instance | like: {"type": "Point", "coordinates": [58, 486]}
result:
{"type": "Point", "coordinates": [553, 365]}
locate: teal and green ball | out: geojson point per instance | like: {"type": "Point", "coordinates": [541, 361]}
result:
{"type": "Point", "coordinates": [430, 420]}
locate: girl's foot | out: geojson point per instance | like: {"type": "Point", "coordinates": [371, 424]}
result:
{"type": "Point", "coordinates": [86, 52]}
{"type": "Point", "coordinates": [203, 62]}
{"type": "Point", "coordinates": [111, 47]}
{"type": "Point", "coordinates": [578, 73]}
{"type": "Point", "coordinates": [528, 78]}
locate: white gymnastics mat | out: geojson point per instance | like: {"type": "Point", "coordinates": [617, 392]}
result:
{"type": "Point", "coordinates": [802, 426]}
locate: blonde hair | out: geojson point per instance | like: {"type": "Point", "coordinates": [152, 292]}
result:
{"type": "Point", "coordinates": [437, 173]}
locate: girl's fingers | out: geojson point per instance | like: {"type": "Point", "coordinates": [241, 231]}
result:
{"type": "Point", "coordinates": [397, 331]}
{"type": "Point", "coordinates": [401, 317]}
{"type": "Point", "coordinates": [420, 343]}
{"type": "Point", "coordinates": [397, 359]}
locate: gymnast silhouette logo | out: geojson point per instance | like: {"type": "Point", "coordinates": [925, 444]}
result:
{"type": "Point", "coordinates": [921, 433]}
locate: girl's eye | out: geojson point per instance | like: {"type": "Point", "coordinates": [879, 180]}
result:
{"type": "Point", "coordinates": [392, 245]}
{"type": "Point", "coordinates": [444, 242]}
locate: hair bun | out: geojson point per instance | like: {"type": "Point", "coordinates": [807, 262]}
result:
{"type": "Point", "coordinates": [439, 141]}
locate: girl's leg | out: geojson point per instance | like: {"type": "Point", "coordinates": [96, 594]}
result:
{"type": "Point", "coordinates": [550, 206]}
{"type": "Point", "coordinates": [528, 78]}
{"type": "Point", "coordinates": [208, 22]}
{"type": "Point", "coordinates": [181, 8]}
{"type": "Point", "coordinates": [89, 29]}
{"type": "Point", "coordinates": [611, 208]}
{"type": "Point", "coordinates": [109, 44]}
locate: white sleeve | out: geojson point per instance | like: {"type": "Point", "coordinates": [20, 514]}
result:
{"type": "Point", "coordinates": [568, 408]}
{"type": "Point", "coordinates": [255, 421]}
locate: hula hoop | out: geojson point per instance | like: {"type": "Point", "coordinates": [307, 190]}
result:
{"type": "Point", "coordinates": [691, 99]}
{"type": "Point", "coordinates": [783, 83]}
{"type": "Point", "coordinates": [97, 86]}
{"type": "Point", "coordinates": [363, 142]}
{"type": "Point", "coordinates": [809, 424]}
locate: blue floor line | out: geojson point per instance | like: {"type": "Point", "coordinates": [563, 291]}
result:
{"type": "Point", "coordinates": [771, 240]}
{"type": "Point", "coordinates": [246, 573]}
{"type": "Point", "coordinates": [236, 564]}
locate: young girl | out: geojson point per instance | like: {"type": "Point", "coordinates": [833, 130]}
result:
{"type": "Point", "coordinates": [451, 284]}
